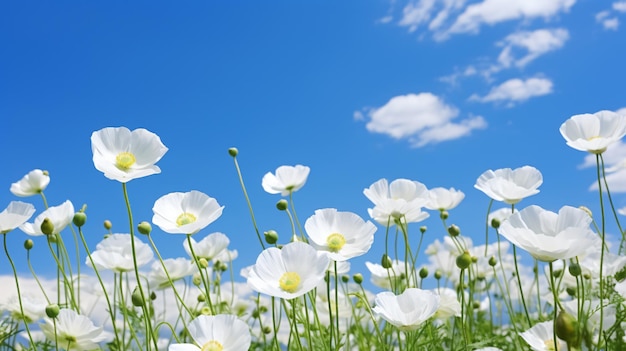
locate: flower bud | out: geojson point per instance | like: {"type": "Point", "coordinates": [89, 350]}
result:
{"type": "Point", "coordinates": [474, 259]}
{"type": "Point", "coordinates": [197, 280]}
{"type": "Point", "coordinates": [201, 298]}
{"type": "Point", "coordinates": [454, 230]}
{"type": "Point", "coordinates": [267, 330]}
{"type": "Point", "coordinates": [345, 278]}
{"type": "Point", "coordinates": [437, 274]}
{"type": "Point", "coordinates": [137, 297]}
{"type": "Point", "coordinates": [144, 228]}
{"type": "Point", "coordinates": [567, 327]}
{"type": "Point", "coordinates": [574, 269]}
{"type": "Point", "coordinates": [492, 261]}
{"type": "Point", "coordinates": [47, 227]}
{"type": "Point", "coordinates": [79, 219]}
{"type": "Point", "coordinates": [281, 205]}
{"type": "Point", "coordinates": [28, 244]}
{"type": "Point", "coordinates": [108, 225]}
{"type": "Point", "coordinates": [52, 310]}
{"type": "Point", "coordinates": [233, 151]}
{"type": "Point", "coordinates": [385, 261]}
{"type": "Point", "coordinates": [571, 291]}
{"type": "Point", "coordinates": [203, 263]}
{"type": "Point", "coordinates": [423, 272]}
{"type": "Point", "coordinates": [153, 296]}
{"type": "Point", "coordinates": [495, 223]}
{"type": "Point", "coordinates": [358, 278]}
{"type": "Point", "coordinates": [444, 215]}
{"type": "Point", "coordinates": [52, 238]}
{"type": "Point", "coordinates": [463, 260]}
{"type": "Point", "coordinates": [271, 237]}
{"type": "Point", "coordinates": [423, 229]}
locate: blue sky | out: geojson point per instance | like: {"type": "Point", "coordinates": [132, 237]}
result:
{"type": "Point", "coordinates": [430, 90]}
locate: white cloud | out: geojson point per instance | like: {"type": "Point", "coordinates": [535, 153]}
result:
{"type": "Point", "coordinates": [532, 43]}
{"type": "Point", "coordinates": [516, 90]}
{"type": "Point", "coordinates": [608, 22]}
{"type": "Point", "coordinates": [420, 118]}
{"type": "Point", "coordinates": [621, 111]}
{"type": "Point", "coordinates": [619, 6]}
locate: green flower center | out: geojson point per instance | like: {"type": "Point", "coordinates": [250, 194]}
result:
{"type": "Point", "coordinates": [185, 218]}
{"type": "Point", "coordinates": [124, 160]}
{"type": "Point", "coordinates": [212, 346]}
{"type": "Point", "coordinates": [335, 242]}
{"type": "Point", "coordinates": [289, 282]}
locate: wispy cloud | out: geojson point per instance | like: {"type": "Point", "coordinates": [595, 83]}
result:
{"type": "Point", "coordinates": [419, 118]}
{"type": "Point", "coordinates": [516, 90]}
{"type": "Point", "coordinates": [608, 20]}
{"type": "Point", "coordinates": [532, 44]}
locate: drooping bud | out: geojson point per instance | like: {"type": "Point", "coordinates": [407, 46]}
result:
{"type": "Point", "coordinates": [52, 310]}
{"type": "Point", "coordinates": [271, 237]}
{"type": "Point", "coordinates": [567, 328]}
{"type": "Point", "coordinates": [79, 219]}
{"type": "Point", "coordinates": [281, 205]}
{"type": "Point", "coordinates": [28, 244]}
{"type": "Point", "coordinates": [108, 225]}
{"type": "Point", "coordinates": [386, 262]}
{"type": "Point", "coordinates": [454, 230]}
{"type": "Point", "coordinates": [137, 297]}
{"type": "Point", "coordinates": [144, 228]}
{"type": "Point", "coordinates": [233, 151]}
{"type": "Point", "coordinates": [47, 227]}
{"type": "Point", "coordinates": [358, 278]}
{"type": "Point", "coordinates": [463, 260]}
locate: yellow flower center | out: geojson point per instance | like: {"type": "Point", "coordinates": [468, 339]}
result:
{"type": "Point", "coordinates": [212, 346]}
{"type": "Point", "coordinates": [335, 242]}
{"type": "Point", "coordinates": [550, 345]}
{"type": "Point", "coordinates": [185, 218]}
{"type": "Point", "coordinates": [124, 160]}
{"type": "Point", "coordinates": [289, 282]}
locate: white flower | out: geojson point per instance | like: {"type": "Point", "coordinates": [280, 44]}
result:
{"type": "Point", "coordinates": [123, 155]}
{"type": "Point", "coordinates": [444, 199]}
{"type": "Point", "coordinates": [343, 235]}
{"type": "Point", "coordinates": [60, 216]}
{"type": "Point", "coordinates": [449, 304]}
{"type": "Point", "coordinates": [115, 253]}
{"type": "Point", "coordinates": [31, 184]}
{"type": "Point", "coordinates": [289, 272]}
{"type": "Point", "coordinates": [383, 277]}
{"type": "Point", "coordinates": [185, 213]}
{"type": "Point", "coordinates": [401, 200]}
{"type": "Point", "coordinates": [15, 215]}
{"type": "Point", "coordinates": [408, 310]}
{"type": "Point", "coordinates": [541, 337]}
{"type": "Point", "coordinates": [177, 268]}
{"type": "Point", "coordinates": [594, 132]}
{"type": "Point", "coordinates": [287, 179]}
{"type": "Point", "coordinates": [510, 185]}
{"type": "Point", "coordinates": [209, 247]}
{"type": "Point", "coordinates": [548, 236]}
{"type": "Point", "coordinates": [74, 331]}
{"type": "Point", "coordinates": [216, 333]}
{"type": "Point", "coordinates": [34, 307]}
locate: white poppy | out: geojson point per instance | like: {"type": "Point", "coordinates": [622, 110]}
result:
{"type": "Point", "coordinates": [594, 132]}
{"type": "Point", "coordinates": [408, 310]}
{"type": "Point", "coordinates": [73, 331]}
{"type": "Point", "coordinates": [59, 216]}
{"type": "Point", "coordinates": [286, 180]}
{"type": "Point", "coordinates": [185, 213]}
{"type": "Point", "coordinates": [216, 333]}
{"type": "Point", "coordinates": [115, 253]}
{"type": "Point", "coordinates": [403, 200]}
{"type": "Point", "coordinates": [510, 185]}
{"type": "Point", "coordinates": [31, 184]}
{"type": "Point", "coordinates": [15, 215]}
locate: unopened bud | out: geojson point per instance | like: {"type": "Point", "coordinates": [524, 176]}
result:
{"type": "Point", "coordinates": [201, 298]}
{"type": "Point", "coordinates": [108, 225]}
{"type": "Point", "coordinates": [281, 205]}
{"type": "Point", "coordinates": [197, 280]}
{"type": "Point", "coordinates": [574, 269]}
{"type": "Point", "coordinates": [267, 330]}
{"type": "Point", "coordinates": [358, 278]}
{"type": "Point", "coordinates": [52, 310]}
{"type": "Point", "coordinates": [385, 261]}
{"type": "Point", "coordinates": [47, 227]}
{"type": "Point", "coordinates": [203, 263]}
{"type": "Point", "coordinates": [437, 274]}
{"type": "Point", "coordinates": [79, 219]}
{"type": "Point", "coordinates": [423, 272]}
{"type": "Point", "coordinates": [144, 228]}
{"type": "Point", "coordinates": [28, 244]}
{"type": "Point", "coordinates": [206, 311]}
{"type": "Point", "coordinates": [271, 237]}
{"type": "Point", "coordinates": [567, 327]}
{"type": "Point", "coordinates": [444, 215]}
{"type": "Point", "coordinates": [153, 296]}
{"type": "Point", "coordinates": [463, 260]}
{"type": "Point", "coordinates": [423, 229]}
{"type": "Point", "coordinates": [495, 223]}
{"type": "Point", "coordinates": [345, 278]}
{"type": "Point", "coordinates": [137, 297]}
{"type": "Point", "coordinates": [492, 261]}
{"type": "Point", "coordinates": [454, 230]}
{"type": "Point", "coordinates": [233, 151]}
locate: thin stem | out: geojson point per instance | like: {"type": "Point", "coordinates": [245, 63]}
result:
{"type": "Point", "coordinates": [245, 194]}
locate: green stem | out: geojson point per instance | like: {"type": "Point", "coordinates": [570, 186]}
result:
{"type": "Point", "coordinates": [245, 194]}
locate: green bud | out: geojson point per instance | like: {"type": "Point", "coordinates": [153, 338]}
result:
{"type": "Point", "coordinates": [233, 151]}
{"type": "Point", "coordinates": [495, 223]}
{"type": "Point", "coordinates": [358, 278]}
{"type": "Point", "coordinates": [567, 327]}
{"type": "Point", "coordinates": [423, 229]}
{"type": "Point", "coordinates": [463, 260]}
{"type": "Point", "coordinates": [52, 310]}
{"type": "Point", "coordinates": [47, 227]}
{"type": "Point", "coordinates": [571, 291]}
{"type": "Point", "coordinates": [423, 272]}
{"type": "Point", "coordinates": [137, 297]}
{"type": "Point", "coordinates": [108, 225]}
{"type": "Point", "coordinates": [153, 296]}
{"type": "Point", "coordinates": [28, 244]}
{"type": "Point", "coordinates": [345, 278]}
{"type": "Point", "coordinates": [444, 215]}
{"type": "Point", "coordinates": [271, 237]}
{"type": "Point", "coordinates": [201, 298]}
{"type": "Point", "coordinates": [197, 280]}
{"type": "Point", "coordinates": [557, 273]}
{"type": "Point", "coordinates": [474, 259]}
{"type": "Point", "coordinates": [386, 262]}
{"type": "Point", "coordinates": [492, 261]}
{"type": "Point", "coordinates": [52, 238]}
{"type": "Point", "coordinates": [437, 274]}
{"type": "Point", "coordinates": [454, 230]}
{"type": "Point", "coordinates": [267, 330]}
{"type": "Point", "coordinates": [144, 228]}
{"type": "Point", "coordinates": [574, 269]}
{"type": "Point", "coordinates": [206, 311]}
{"type": "Point", "coordinates": [203, 263]}
{"type": "Point", "coordinates": [476, 305]}
{"type": "Point", "coordinates": [79, 219]}
{"type": "Point", "coordinates": [281, 205]}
